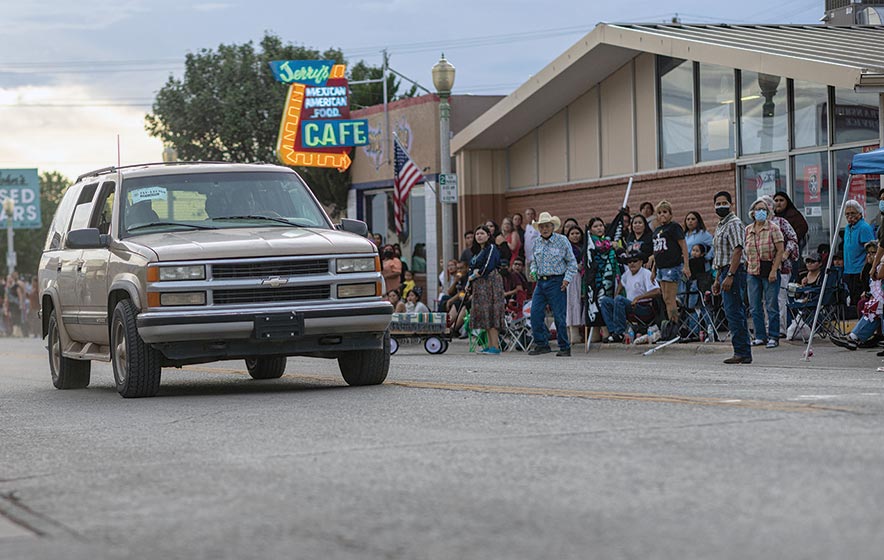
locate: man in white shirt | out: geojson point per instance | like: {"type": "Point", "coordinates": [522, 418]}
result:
{"type": "Point", "coordinates": [531, 235]}
{"type": "Point", "coordinates": [639, 286]}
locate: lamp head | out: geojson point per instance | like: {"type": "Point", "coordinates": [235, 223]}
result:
{"type": "Point", "coordinates": [443, 76]}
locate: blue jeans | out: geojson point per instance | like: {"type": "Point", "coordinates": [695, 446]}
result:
{"type": "Point", "coordinates": [864, 329]}
{"type": "Point", "coordinates": [549, 292]}
{"type": "Point", "coordinates": [736, 313]}
{"type": "Point", "coordinates": [614, 310]}
{"type": "Point", "coordinates": [763, 295]}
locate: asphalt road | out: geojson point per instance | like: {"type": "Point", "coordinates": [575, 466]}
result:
{"type": "Point", "coordinates": [605, 455]}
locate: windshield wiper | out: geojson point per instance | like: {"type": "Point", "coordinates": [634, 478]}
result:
{"type": "Point", "coordinates": [151, 224]}
{"type": "Point", "coordinates": [256, 217]}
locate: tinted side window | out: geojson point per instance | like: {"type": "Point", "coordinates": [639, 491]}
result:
{"type": "Point", "coordinates": [103, 209]}
{"type": "Point", "coordinates": [62, 218]}
{"type": "Point", "coordinates": [83, 210]}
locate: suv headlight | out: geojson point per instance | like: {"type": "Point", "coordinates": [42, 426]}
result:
{"type": "Point", "coordinates": [368, 264]}
{"type": "Point", "coordinates": [172, 273]}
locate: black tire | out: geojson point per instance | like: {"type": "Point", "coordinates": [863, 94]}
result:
{"type": "Point", "coordinates": [66, 373]}
{"type": "Point", "coordinates": [366, 367]}
{"type": "Point", "coordinates": [444, 346]}
{"type": "Point", "coordinates": [266, 368]}
{"type": "Point", "coordinates": [137, 365]}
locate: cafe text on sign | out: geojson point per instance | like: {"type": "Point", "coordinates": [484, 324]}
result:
{"type": "Point", "coordinates": [316, 129]}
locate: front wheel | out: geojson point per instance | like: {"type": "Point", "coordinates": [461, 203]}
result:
{"type": "Point", "coordinates": [266, 368]}
{"type": "Point", "coordinates": [366, 367]}
{"type": "Point", "coordinates": [66, 372]}
{"type": "Point", "coordinates": [137, 365]}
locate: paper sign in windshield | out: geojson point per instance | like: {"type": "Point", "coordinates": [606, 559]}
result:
{"type": "Point", "coordinates": [148, 193]}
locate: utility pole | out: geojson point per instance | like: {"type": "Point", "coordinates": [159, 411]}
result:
{"type": "Point", "coordinates": [9, 210]}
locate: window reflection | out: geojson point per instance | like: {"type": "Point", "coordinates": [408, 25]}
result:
{"type": "Point", "coordinates": [759, 179]}
{"type": "Point", "coordinates": [811, 116]}
{"type": "Point", "coordinates": [764, 113]}
{"type": "Point", "coordinates": [856, 116]}
{"type": "Point", "coordinates": [811, 196]}
{"type": "Point", "coordinates": [716, 112]}
{"type": "Point", "coordinates": [676, 111]}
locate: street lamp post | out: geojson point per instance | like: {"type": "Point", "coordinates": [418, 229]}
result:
{"type": "Point", "coordinates": [443, 80]}
{"type": "Point", "coordinates": [9, 210]}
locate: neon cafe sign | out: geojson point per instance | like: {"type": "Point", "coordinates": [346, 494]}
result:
{"type": "Point", "coordinates": [316, 129]}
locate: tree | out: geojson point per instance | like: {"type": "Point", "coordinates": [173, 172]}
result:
{"type": "Point", "coordinates": [228, 107]}
{"type": "Point", "coordinates": [29, 242]}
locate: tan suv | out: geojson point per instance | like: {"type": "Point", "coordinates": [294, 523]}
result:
{"type": "Point", "coordinates": [170, 264]}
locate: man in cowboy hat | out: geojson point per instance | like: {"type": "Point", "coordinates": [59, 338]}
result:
{"type": "Point", "coordinates": [553, 266]}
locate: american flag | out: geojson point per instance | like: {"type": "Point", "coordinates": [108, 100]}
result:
{"type": "Point", "coordinates": [405, 176]}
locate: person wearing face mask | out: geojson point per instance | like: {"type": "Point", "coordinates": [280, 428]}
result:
{"type": "Point", "coordinates": [730, 280]}
{"type": "Point", "coordinates": [857, 232]}
{"type": "Point", "coordinates": [879, 254]}
{"type": "Point", "coordinates": [764, 255]}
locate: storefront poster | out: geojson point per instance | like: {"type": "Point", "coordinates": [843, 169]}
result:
{"type": "Point", "coordinates": [812, 184]}
{"type": "Point", "coordinates": [766, 182]}
{"type": "Point", "coordinates": [857, 189]}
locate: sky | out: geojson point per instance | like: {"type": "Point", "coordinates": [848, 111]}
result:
{"type": "Point", "coordinates": [75, 75]}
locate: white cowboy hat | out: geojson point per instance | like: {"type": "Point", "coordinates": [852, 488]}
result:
{"type": "Point", "coordinates": [546, 218]}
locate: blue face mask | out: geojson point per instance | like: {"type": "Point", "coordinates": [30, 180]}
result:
{"type": "Point", "coordinates": [881, 206]}
{"type": "Point", "coordinates": [760, 215]}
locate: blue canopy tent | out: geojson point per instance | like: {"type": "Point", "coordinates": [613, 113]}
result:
{"type": "Point", "coordinates": [869, 163]}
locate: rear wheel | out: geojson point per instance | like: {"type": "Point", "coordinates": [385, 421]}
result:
{"type": "Point", "coordinates": [266, 368]}
{"type": "Point", "coordinates": [137, 366]}
{"type": "Point", "coordinates": [66, 372]}
{"type": "Point", "coordinates": [366, 367]}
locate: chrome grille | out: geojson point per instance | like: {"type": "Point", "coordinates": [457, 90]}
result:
{"type": "Point", "coordinates": [270, 295]}
{"type": "Point", "coordinates": [227, 271]}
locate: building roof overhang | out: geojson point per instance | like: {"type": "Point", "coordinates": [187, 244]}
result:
{"type": "Point", "coordinates": [848, 57]}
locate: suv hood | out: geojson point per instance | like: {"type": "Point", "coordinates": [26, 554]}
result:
{"type": "Point", "coordinates": [251, 242]}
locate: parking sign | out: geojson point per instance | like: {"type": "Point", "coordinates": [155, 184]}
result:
{"type": "Point", "coordinates": [448, 187]}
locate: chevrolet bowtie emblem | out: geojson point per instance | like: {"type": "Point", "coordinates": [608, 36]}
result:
{"type": "Point", "coordinates": [275, 282]}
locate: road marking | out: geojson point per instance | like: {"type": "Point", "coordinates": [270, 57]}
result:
{"type": "Point", "coordinates": [780, 406]}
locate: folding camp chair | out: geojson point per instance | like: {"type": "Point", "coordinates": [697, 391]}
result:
{"type": "Point", "coordinates": [831, 320]}
{"type": "Point", "coordinates": [517, 335]}
{"type": "Point", "coordinates": [695, 317]}
{"type": "Point", "coordinates": [646, 314]}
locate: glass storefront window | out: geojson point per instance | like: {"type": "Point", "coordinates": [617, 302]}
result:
{"type": "Point", "coordinates": [811, 115]}
{"type": "Point", "coordinates": [763, 114]}
{"type": "Point", "coordinates": [856, 116]}
{"type": "Point", "coordinates": [811, 196]}
{"type": "Point", "coordinates": [676, 86]}
{"type": "Point", "coordinates": [863, 188]}
{"type": "Point", "coordinates": [716, 112]}
{"type": "Point", "coordinates": [759, 179]}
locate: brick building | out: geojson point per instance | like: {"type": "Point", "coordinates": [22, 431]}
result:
{"type": "Point", "coordinates": [686, 110]}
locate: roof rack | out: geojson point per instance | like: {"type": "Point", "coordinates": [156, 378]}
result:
{"type": "Point", "coordinates": [113, 168]}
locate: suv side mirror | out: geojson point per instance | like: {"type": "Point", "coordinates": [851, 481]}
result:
{"type": "Point", "coordinates": [354, 226]}
{"type": "Point", "coordinates": [88, 238]}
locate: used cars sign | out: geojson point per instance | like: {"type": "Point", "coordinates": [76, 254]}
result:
{"type": "Point", "coordinates": [23, 187]}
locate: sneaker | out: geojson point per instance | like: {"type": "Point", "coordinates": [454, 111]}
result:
{"type": "Point", "coordinates": [772, 343]}
{"type": "Point", "coordinates": [843, 342]}
{"type": "Point", "coordinates": [757, 342]}
{"type": "Point", "coordinates": [614, 338]}
{"type": "Point", "coordinates": [490, 351]}
{"type": "Point", "coordinates": [738, 360]}
{"type": "Point", "coordinates": [566, 352]}
{"type": "Point", "coordinates": [880, 354]}
{"type": "Point", "coordinates": [538, 350]}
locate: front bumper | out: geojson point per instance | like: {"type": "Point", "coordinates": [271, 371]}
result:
{"type": "Point", "coordinates": [327, 320]}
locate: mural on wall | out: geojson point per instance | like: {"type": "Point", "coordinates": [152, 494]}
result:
{"type": "Point", "coordinates": [375, 149]}
{"type": "Point", "coordinates": [316, 129]}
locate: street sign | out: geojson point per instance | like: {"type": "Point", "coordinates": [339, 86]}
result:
{"type": "Point", "coordinates": [448, 187]}
{"type": "Point", "coordinates": [23, 187]}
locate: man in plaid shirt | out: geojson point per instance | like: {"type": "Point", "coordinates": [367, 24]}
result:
{"type": "Point", "coordinates": [730, 281]}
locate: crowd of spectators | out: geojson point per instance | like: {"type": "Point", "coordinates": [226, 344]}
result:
{"type": "Point", "coordinates": [652, 257]}
{"type": "Point", "coordinates": [19, 303]}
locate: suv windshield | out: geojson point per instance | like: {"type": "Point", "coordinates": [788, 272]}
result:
{"type": "Point", "coordinates": [218, 200]}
